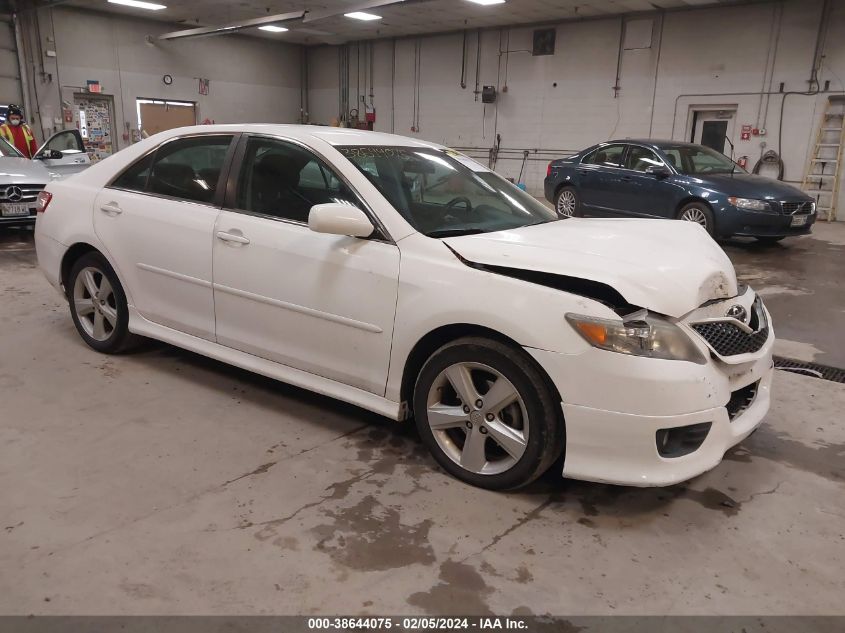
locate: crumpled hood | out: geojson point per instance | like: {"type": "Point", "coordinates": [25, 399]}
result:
{"type": "Point", "coordinates": [745, 185]}
{"type": "Point", "coordinates": [667, 266]}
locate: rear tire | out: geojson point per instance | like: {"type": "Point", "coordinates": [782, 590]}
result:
{"type": "Point", "coordinates": [459, 413]}
{"type": "Point", "coordinates": [98, 305]}
{"type": "Point", "coordinates": [568, 203]}
{"type": "Point", "coordinates": [699, 213]}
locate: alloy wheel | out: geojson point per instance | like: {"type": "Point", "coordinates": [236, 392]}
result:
{"type": "Point", "coordinates": [478, 418]}
{"type": "Point", "coordinates": [694, 214]}
{"type": "Point", "coordinates": [566, 203]}
{"type": "Point", "coordinates": [94, 303]}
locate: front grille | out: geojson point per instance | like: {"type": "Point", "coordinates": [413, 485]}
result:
{"type": "Point", "coordinates": [816, 370]}
{"type": "Point", "coordinates": [741, 399]}
{"type": "Point", "coordinates": [28, 193]}
{"type": "Point", "coordinates": [726, 338]}
{"type": "Point", "coordinates": [792, 208]}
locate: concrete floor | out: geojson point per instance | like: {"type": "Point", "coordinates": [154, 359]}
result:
{"type": "Point", "coordinates": [162, 482]}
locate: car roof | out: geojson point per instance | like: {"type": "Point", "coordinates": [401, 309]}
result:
{"type": "Point", "coordinates": [332, 135]}
{"type": "Point", "coordinates": [655, 143]}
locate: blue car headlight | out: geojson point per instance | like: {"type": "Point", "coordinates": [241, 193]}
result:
{"type": "Point", "coordinates": [750, 204]}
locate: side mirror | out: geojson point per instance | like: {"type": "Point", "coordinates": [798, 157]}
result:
{"type": "Point", "coordinates": [49, 154]}
{"type": "Point", "coordinates": [339, 219]}
{"type": "Point", "coordinates": [661, 171]}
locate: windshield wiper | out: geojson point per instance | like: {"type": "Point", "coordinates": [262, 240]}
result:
{"type": "Point", "coordinates": [454, 232]}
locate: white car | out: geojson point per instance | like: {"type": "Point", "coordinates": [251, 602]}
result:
{"type": "Point", "coordinates": [407, 279]}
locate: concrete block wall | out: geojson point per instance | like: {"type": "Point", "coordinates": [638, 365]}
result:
{"type": "Point", "coordinates": [252, 80]}
{"type": "Point", "coordinates": [696, 58]}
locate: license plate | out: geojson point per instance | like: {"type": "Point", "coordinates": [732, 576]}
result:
{"type": "Point", "coordinates": [799, 220]}
{"type": "Point", "coordinates": [9, 209]}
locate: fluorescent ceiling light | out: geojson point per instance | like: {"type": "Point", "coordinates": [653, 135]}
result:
{"type": "Point", "coordinates": [151, 6]}
{"type": "Point", "coordinates": [272, 28]}
{"type": "Point", "coordinates": [488, 1]}
{"type": "Point", "coordinates": [360, 15]}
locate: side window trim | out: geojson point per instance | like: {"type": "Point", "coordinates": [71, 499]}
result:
{"type": "Point", "coordinates": [216, 202]}
{"type": "Point", "coordinates": [231, 191]}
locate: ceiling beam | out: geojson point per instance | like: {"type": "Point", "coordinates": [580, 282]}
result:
{"type": "Point", "coordinates": [233, 27]}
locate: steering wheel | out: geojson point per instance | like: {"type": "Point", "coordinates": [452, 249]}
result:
{"type": "Point", "coordinates": [455, 201]}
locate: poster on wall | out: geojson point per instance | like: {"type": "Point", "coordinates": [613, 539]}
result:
{"type": "Point", "coordinates": [204, 85]}
{"type": "Point", "coordinates": [95, 125]}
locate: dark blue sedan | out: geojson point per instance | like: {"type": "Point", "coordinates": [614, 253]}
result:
{"type": "Point", "coordinates": [668, 179]}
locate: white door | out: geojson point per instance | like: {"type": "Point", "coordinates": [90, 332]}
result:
{"type": "Point", "coordinates": [64, 153]}
{"type": "Point", "coordinates": [321, 303]}
{"type": "Point", "coordinates": [157, 223]}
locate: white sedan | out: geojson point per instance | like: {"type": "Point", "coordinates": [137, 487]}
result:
{"type": "Point", "coordinates": [407, 279]}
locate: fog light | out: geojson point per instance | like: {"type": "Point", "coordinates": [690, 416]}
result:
{"type": "Point", "coordinates": [681, 440]}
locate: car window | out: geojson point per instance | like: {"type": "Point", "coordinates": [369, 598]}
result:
{"type": "Point", "coordinates": [692, 159]}
{"type": "Point", "coordinates": [283, 180]}
{"type": "Point", "coordinates": [134, 178]}
{"type": "Point", "coordinates": [7, 150]}
{"type": "Point", "coordinates": [641, 158]}
{"type": "Point", "coordinates": [189, 168]}
{"type": "Point", "coordinates": [607, 155]}
{"type": "Point", "coordinates": [68, 142]}
{"type": "Point", "coordinates": [443, 193]}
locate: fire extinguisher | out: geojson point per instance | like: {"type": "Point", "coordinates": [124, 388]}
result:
{"type": "Point", "coordinates": [743, 162]}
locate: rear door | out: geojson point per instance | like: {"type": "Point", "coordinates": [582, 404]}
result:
{"type": "Point", "coordinates": [73, 158]}
{"type": "Point", "coordinates": [600, 177]}
{"type": "Point", "coordinates": [157, 223]}
{"type": "Point", "coordinates": [646, 194]}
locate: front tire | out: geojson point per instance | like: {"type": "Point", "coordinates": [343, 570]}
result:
{"type": "Point", "coordinates": [487, 414]}
{"type": "Point", "coordinates": [699, 213]}
{"type": "Point", "coordinates": [98, 305]}
{"type": "Point", "coordinates": [568, 203]}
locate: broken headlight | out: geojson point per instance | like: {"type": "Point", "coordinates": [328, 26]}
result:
{"type": "Point", "coordinates": [640, 334]}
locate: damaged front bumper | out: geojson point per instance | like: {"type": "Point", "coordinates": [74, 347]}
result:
{"type": "Point", "coordinates": [649, 422]}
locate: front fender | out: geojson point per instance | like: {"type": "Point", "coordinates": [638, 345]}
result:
{"type": "Point", "coordinates": [436, 289]}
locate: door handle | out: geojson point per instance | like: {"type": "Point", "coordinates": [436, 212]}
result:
{"type": "Point", "coordinates": [111, 208]}
{"type": "Point", "coordinates": [231, 237]}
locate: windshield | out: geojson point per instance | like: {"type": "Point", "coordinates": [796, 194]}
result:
{"type": "Point", "coordinates": [443, 193]}
{"type": "Point", "coordinates": [8, 150]}
{"type": "Point", "coordinates": [698, 159]}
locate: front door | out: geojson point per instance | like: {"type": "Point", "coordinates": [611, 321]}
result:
{"type": "Point", "coordinates": [73, 157]}
{"type": "Point", "coordinates": [157, 222]}
{"type": "Point", "coordinates": [324, 304]}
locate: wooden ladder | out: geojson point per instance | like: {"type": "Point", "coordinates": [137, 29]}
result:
{"type": "Point", "coordinates": [822, 175]}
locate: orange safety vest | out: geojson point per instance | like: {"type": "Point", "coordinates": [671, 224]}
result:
{"type": "Point", "coordinates": [6, 133]}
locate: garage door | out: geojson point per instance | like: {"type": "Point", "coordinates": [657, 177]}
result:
{"type": "Point", "coordinates": [10, 81]}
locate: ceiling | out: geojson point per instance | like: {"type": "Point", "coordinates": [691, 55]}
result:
{"type": "Point", "coordinates": [409, 17]}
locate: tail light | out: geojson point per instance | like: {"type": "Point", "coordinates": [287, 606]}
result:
{"type": "Point", "coordinates": [549, 170]}
{"type": "Point", "coordinates": [43, 201]}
